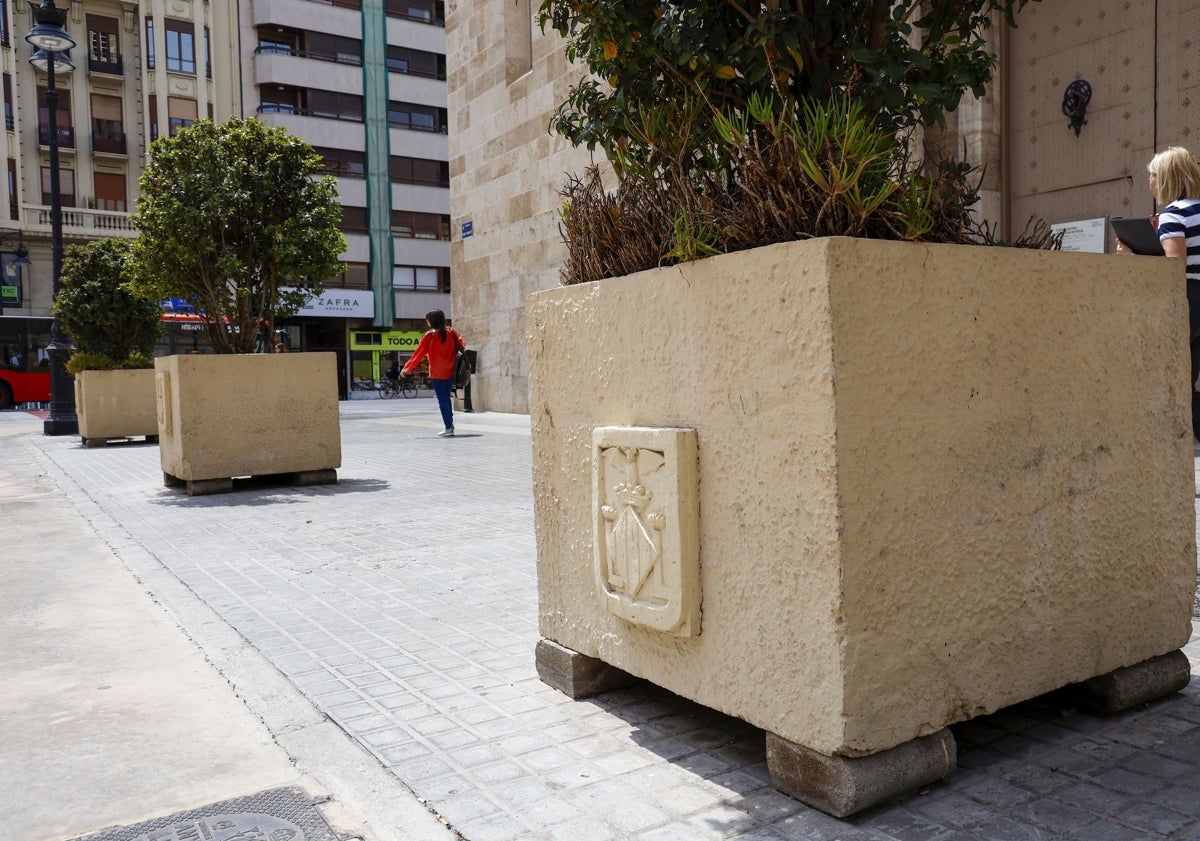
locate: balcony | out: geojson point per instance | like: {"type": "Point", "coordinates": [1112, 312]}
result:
{"type": "Point", "coordinates": [79, 222]}
{"type": "Point", "coordinates": [108, 143]}
{"type": "Point", "coordinates": [66, 136]}
{"type": "Point", "coordinates": [112, 67]}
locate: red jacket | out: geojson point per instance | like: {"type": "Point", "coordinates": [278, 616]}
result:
{"type": "Point", "coordinates": [442, 354]}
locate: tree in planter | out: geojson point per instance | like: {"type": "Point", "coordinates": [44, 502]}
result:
{"type": "Point", "coordinates": [733, 124]}
{"type": "Point", "coordinates": [229, 215]}
{"type": "Point", "coordinates": [112, 325]}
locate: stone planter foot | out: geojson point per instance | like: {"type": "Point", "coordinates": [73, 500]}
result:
{"type": "Point", "coordinates": [311, 477]}
{"type": "Point", "coordinates": [124, 439]}
{"type": "Point", "coordinates": [203, 487]}
{"type": "Point", "coordinates": [1132, 686]}
{"type": "Point", "coordinates": [844, 785]}
{"type": "Point", "coordinates": [577, 675]}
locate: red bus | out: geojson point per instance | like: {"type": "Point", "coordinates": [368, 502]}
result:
{"type": "Point", "coordinates": [24, 361]}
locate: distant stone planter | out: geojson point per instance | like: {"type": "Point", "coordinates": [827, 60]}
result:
{"type": "Point", "coordinates": [226, 416]}
{"type": "Point", "coordinates": [855, 491]}
{"type": "Point", "coordinates": [115, 405]}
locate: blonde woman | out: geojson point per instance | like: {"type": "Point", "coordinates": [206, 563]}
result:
{"type": "Point", "coordinates": [1175, 184]}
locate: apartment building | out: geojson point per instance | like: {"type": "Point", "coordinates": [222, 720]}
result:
{"type": "Point", "coordinates": [364, 83]}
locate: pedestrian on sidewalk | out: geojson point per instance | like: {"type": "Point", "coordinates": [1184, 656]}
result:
{"type": "Point", "coordinates": [441, 344]}
{"type": "Point", "coordinates": [1175, 184]}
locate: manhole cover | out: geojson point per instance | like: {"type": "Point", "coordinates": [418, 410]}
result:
{"type": "Point", "coordinates": [281, 814]}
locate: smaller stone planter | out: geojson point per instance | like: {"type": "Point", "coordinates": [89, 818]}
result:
{"type": "Point", "coordinates": [221, 417]}
{"type": "Point", "coordinates": [115, 405]}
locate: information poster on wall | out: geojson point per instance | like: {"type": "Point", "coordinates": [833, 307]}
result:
{"type": "Point", "coordinates": [1084, 235]}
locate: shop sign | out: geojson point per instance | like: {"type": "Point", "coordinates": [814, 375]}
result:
{"type": "Point", "coordinates": [405, 341]}
{"type": "Point", "coordinates": [340, 303]}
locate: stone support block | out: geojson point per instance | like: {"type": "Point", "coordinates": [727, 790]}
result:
{"type": "Point", "coordinates": [844, 785]}
{"type": "Point", "coordinates": [1132, 686]}
{"type": "Point", "coordinates": [577, 675]}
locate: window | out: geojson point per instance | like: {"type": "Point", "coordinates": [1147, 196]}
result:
{"type": "Point", "coordinates": [66, 186]}
{"type": "Point", "coordinates": [13, 204]}
{"type": "Point", "coordinates": [334, 48]}
{"type": "Point", "coordinates": [149, 43]}
{"type": "Point", "coordinates": [152, 116]}
{"type": "Point", "coordinates": [353, 276]}
{"type": "Point", "coordinates": [354, 219]}
{"type": "Point", "coordinates": [181, 46]}
{"type": "Point", "coordinates": [421, 278]}
{"type": "Point", "coordinates": [280, 100]}
{"type": "Point", "coordinates": [207, 56]}
{"type": "Point", "coordinates": [104, 54]}
{"type": "Point", "coordinates": [4, 23]}
{"type": "Point", "coordinates": [181, 113]}
{"type": "Point", "coordinates": [278, 41]}
{"type": "Point", "coordinates": [423, 11]}
{"type": "Point", "coordinates": [416, 62]}
{"type": "Point", "coordinates": [335, 106]}
{"type": "Point", "coordinates": [8, 102]}
{"type": "Point", "coordinates": [420, 171]}
{"type": "Point", "coordinates": [110, 191]}
{"type": "Point", "coordinates": [343, 162]}
{"type": "Point", "coordinates": [108, 132]}
{"type": "Point", "coordinates": [66, 132]}
{"type": "Point", "coordinates": [408, 224]}
{"type": "Point", "coordinates": [416, 117]}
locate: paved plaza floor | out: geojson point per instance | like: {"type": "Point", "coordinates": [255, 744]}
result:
{"type": "Point", "coordinates": [373, 642]}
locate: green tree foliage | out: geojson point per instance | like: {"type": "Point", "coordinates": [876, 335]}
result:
{"type": "Point", "coordinates": [229, 214]}
{"type": "Point", "coordinates": [112, 325]}
{"type": "Point", "coordinates": [907, 62]}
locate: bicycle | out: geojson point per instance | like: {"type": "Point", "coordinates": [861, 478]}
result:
{"type": "Point", "coordinates": [392, 388]}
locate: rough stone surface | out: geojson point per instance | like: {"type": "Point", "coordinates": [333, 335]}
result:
{"type": "Point", "coordinates": [916, 519]}
{"type": "Point", "coordinates": [843, 785]}
{"type": "Point", "coordinates": [1125, 688]}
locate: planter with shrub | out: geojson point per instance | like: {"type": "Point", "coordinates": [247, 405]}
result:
{"type": "Point", "coordinates": [852, 477]}
{"type": "Point", "coordinates": [114, 330]}
{"type": "Point", "coordinates": [233, 219]}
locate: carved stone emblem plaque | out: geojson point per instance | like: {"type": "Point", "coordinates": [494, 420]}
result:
{"type": "Point", "coordinates": [646, 520]}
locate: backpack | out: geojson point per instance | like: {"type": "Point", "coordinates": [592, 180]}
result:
{"type": "Point", "coordinates": [462, 369]}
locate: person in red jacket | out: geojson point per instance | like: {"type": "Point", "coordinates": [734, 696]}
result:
{"type": "Point", "coordinates": [441, 344]}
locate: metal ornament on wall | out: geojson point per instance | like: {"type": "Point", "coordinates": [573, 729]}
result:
{"type": "Point", "coordinates": [1075, 102]}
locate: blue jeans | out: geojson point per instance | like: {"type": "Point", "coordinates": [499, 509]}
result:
{"type": "Point", "coordinates": [442, 389]}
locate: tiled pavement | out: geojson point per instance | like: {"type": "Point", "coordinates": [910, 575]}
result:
{"type": "Point", "coordinates": [402, 602]}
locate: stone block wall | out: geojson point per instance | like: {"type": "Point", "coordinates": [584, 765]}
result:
{"type": "Point", "coordinates": [505, 81]}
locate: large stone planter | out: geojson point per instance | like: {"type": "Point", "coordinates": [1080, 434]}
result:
{"type": "Point", "coordinates": [115, 405]}
{"type": "Point", "coordinates": [221, 417]}
{"type": "Point", "coordinates": [877, 487]}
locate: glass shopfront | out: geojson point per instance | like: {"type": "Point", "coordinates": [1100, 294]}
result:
{"type": "Point", "coordinates": [372, 352]}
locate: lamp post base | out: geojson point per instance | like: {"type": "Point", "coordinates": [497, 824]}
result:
{"type": "Point", "coordinates": [61, 426]}
{"type": "Point", "coordinates": [63, 419]}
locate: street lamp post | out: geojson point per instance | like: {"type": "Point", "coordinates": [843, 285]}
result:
{"type": "Point", "coordinates": [22, 255]}
{"type": "Point", "coordinates": [50, 38]}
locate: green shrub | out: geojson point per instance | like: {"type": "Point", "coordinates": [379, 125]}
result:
{"type": "Point", "coordinates": [82, 360]}
{"type": "Point", "coordinates": [111, 325]}
{"type": "Point", "coordinates": [731, 126]}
